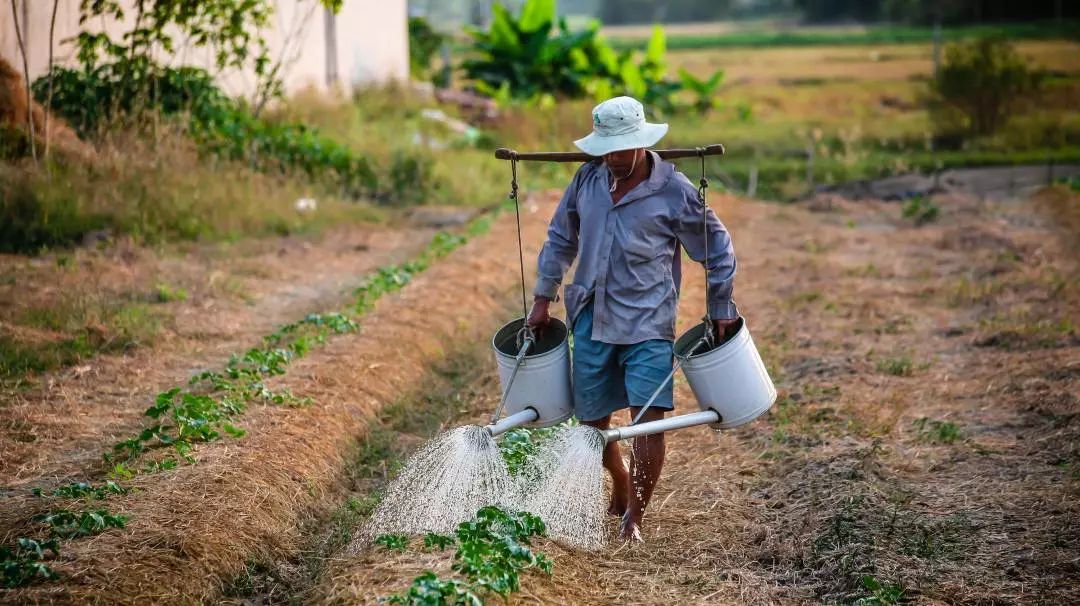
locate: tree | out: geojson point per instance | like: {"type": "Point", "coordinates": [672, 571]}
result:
{"type": "Point", "coordinates": [985, 80]}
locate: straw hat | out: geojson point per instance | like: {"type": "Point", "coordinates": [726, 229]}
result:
{"type": "Point", "coordinates": [620, 124]}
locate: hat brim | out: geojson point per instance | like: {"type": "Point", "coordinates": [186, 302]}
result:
{"type": "Point", "coordinates": [596, 145]}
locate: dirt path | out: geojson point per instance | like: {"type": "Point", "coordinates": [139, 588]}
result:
{"type": "Point", "coordinates": [234, 295]}
{"type": "Point", "coordinates": [924, 446]}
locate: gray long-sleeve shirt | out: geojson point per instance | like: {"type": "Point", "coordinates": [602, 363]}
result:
{"type": "Point", "coordinates": [628, 261]}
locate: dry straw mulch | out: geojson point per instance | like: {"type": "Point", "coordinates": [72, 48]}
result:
{"type": "Point", "coordinates": [195, 528]}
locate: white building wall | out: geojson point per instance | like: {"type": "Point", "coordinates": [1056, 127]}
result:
{"type": "Point", "coordinates": [372, 43]}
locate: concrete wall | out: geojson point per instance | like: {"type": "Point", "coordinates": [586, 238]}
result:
{"type": "Point", "coordinates": [372, 43]}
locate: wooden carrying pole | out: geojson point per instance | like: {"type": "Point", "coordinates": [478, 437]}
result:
{"type": "Point", "coordinates": [667, 154]}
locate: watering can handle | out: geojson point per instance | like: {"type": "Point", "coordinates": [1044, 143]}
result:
{"type": "Point", "coordinates": [525, 347]}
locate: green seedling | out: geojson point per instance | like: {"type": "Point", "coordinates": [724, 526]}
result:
{"type": "Point", "coordinates": [393, 542]}
{"type": "Point", "coordinates": [921, 210]}
{"type": "Point", "coordinates": [67, 524]}
{"type": "Point", "coordinates": [492, 549]}
{"type": "Point", "coordinates": [21, 564]}
{"type": "Point", "coordinates": [79, 490]}
{"type": "Point", "coordinates": [881, 594]}
{"type": "Point", "coordinates": [437, 541]}
{"type": "Point", "coordinates": [429, 590]}
{"type": "Point", "coordinates": [203, 412]}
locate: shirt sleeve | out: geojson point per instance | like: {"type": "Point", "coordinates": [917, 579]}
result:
{"type": "Point", "coordinates": [691, 231]}
{"type": "Point", "coordinates": [561, 246]}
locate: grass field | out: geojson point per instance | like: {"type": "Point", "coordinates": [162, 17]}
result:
{"type": "Point", "coordinates": [772, 34]}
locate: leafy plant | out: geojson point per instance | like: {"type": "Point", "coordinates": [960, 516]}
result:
{"type": "Point", "coordinates": [921, 209]}
{"type": "Point", "coordinates": [704, 90]}
{"type": "Point", "coordinates": [985, 80]}
{"type": "Point", "coordinates": [78, 490]}
{"type": "Point", "coordinates": [164, 293]}
{"type": "Point", "coordinates": [429, 590]}
{"type": "Point", "coordinates": [536, 55]}
{"type": "Point", "coordinates": [69, 524]}
{"type": "Point", "coordinates": [393, 542]}
{"type": "Point", "coordinates": [881, 594]}
{"type": "Point", "coordinates": [519, 445]}
{"type": "Point", "coordinates": [21, 563]}
{"type": "Point", "coordinates": [434, 540]}
{"type": "Point", "coordinates": [92, 97]}
{"type": "Point", "coordinates": [492, 550]}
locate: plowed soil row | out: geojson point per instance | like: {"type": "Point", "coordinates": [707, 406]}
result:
{"type": "Point", "coordinates": [57, 429]}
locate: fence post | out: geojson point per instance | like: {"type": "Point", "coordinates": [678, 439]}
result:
{"type": "Point", "coordinates": [810, 166]}
{"type": "Point", "coordinates": [751, 187]}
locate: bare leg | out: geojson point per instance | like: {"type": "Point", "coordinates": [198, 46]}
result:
{"type": "Point", "coordinates": [645, 470]}
{"type": "Point", "coordinates": [613, 462]}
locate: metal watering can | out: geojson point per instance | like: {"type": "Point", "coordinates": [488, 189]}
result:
{"type": "Point", "coordinates": [729, 381]}
{"type": "Point", "coordinates": [534, 376]}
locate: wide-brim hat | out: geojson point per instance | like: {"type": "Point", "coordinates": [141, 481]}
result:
{"type": "Point", "coordinates": [620, 124]}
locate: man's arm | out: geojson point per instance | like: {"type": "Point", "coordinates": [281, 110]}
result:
{"type": "Point", "coordinates": [557, 255]}
{"type": "Point", "coordinates": [691, 230]}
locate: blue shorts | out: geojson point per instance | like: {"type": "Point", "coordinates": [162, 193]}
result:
{"type": "Point", "coordinates": [611, 377]}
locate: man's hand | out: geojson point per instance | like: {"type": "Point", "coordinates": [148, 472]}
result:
{"type": "Point", "coordinates": [725, 329]}
{"type": "Point", "coordinates": [538, 317]}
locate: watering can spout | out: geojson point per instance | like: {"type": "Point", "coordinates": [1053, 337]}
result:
{"type": "Point", "coordinates": [659, 426]}
{"type": "Point", "coordinates": [515, 420]}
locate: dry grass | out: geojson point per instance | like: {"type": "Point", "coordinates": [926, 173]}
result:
{"type": "Point", "coordinates": [842, 481]}
{"type": "Point", "coordinates": [195, 528]}
{"type": "Point", "coordinates": [56, 425]}
{"type": "Point", "coordinates": [839, 483]}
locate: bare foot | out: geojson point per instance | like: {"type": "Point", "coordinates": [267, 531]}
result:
{"type": "Point", "coordinates": [629, 530]}
{"type": "Point", "coordinates": [617, 507]}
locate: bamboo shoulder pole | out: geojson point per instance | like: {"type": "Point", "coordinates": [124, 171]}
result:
{"type": "Point", "coordinates": [667, 154]}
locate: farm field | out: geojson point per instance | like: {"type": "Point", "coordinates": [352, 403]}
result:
{"type": "Point", "coordinates": [225, 330]}
{"type": "Point", "coordinates": [924, 436]}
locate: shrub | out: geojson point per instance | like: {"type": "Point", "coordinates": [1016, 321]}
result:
{"type": "Point", "coordinates": [36, 219]}
{"type": "Point", "coordinates": [93, 99]}
{"type": "Point", "coordinates": [424, 42]}
{"type": "Point", "coordinates": [984, 81]}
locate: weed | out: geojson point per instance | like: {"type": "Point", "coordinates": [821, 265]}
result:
{"type": "Point", "coordinates": [900, 366]}
{"type": "Point", "coordinates": [21, 563]}
{"type": "Point", "coordinates": [921, 210]}
{"type": "Point", "coordinates": [164, 293]}
{"type": "Point", "coordinates": [937, 432]}
{"type": "Point", "coordinates": [881, 594]}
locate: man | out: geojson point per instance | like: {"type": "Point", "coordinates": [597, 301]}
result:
{"type": "Point", "coordinates": [624, 219]}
